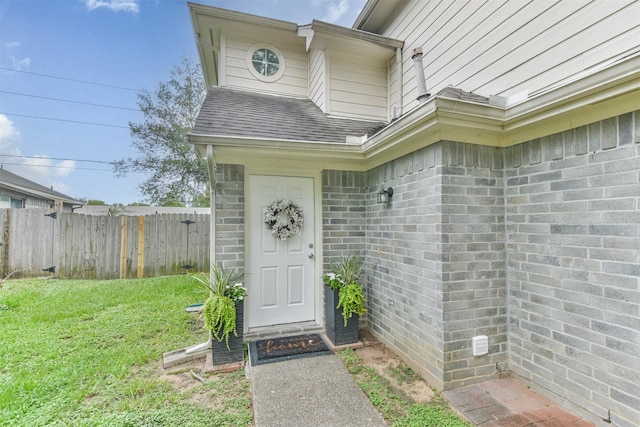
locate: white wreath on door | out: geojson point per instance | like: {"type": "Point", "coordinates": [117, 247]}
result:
{"type": "Point", "coordinates": [284, 219]}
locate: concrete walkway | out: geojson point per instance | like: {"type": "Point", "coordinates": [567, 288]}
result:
{"type": "Point", "coordinates": [314, 392]}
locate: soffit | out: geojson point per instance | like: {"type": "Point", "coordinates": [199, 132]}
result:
{"type": "Point", "coordinates": [376, 15]}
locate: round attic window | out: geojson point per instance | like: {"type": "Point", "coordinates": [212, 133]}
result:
{"type": "Point", "coordinates": [265, 62]}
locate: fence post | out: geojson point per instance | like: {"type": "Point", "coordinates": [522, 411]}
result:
{"type": "Point", "coordinates": [52, 268]}
{"type": "Point", "coordinates": [5, 218]}
{"type": "Point", "coordinates": [123, 247]}
{"type": "Point", "coordinates": [140, 246]}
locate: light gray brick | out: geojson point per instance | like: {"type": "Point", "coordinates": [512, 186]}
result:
{"type": "Point", "coordinates": [609, 133]}
{"type": "Point", "coordinates": [581, 140]}
{"type": "Point", "coordinates": [595, 137]}
{"type": "Point", "coordinates": [611, 330]}
{"type": "Point", "coordinates": [625, 129]}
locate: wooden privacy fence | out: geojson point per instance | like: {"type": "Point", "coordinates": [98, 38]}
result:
{"type": "Point", "coordinates": [37, 242]}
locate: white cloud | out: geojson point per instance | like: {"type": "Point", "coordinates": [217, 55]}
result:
{"type": "Point", "coordinates": [38, 168]}
{"type": "Point", "coordinates": [47, 169]}
{"type": "Point", "coordinates": [8, 132]}
{"type": "Point", "coordinates": [114, 5]}
{"type": "Point", "coordinates": [11, 45]}
{"type": "Point", "coordinates": [19, 64]}
{"type": "Point", "coordinates": [336, 10]}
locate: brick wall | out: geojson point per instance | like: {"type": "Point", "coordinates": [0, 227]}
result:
{"type": "Point", "coordinates": [343, 219]}
{"type": "Point", "coordinates": [229, 239]}
{"type": "Point", "coordinates": [473, 255]}
{"type": "Point", "coordinates": [404, 262]}
{"type": "Point", "coordinates": [573, 253]}
{"type": "Point", "coordinates": [436, 260]}
{"type": "Point", "coordinates": [343, 215]}
{"type": "Point", "coordinates": [536, 246]}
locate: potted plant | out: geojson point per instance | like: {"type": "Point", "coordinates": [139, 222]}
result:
{"type": "Point", "coordinates": [224, 313]}
{"type": "Point", "coordinates": [344, 300]}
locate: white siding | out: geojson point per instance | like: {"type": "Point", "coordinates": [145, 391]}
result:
{"type": "Point", "coordinates": [394, 82]}
{"type": "Point", "coordinates": [357, 87]}
{"type": "Point", "coordinates": [317, 76]}
{"type": "Point", "coordinates": [294, 82]}
{"type": "Point", "coordinates": [500, 47]}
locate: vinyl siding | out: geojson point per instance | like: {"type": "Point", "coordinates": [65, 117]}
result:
{"type": "Point", "coordinates": [502, 47]}
{"type": "Point", "coordinates": [394, 81]}
{"type": "Point", "coordinates": [295, 80]}
{"type": "Point", "coordinates": [317, 76]}
{"type": "Point", "coordinates": [358, 88]}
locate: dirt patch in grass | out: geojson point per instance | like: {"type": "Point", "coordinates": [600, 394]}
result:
{"type": "Point", "coordinates": [389, 366]}
{"type": "Point", "coordinates": [181, 378]}
{"type": "Point", "coordinates": [227, 392]}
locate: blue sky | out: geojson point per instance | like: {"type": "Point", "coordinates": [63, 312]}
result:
{"type": "Point", "coordinates": [98, 54]}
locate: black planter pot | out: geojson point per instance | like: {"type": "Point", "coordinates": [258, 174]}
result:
{"type": "Point", "coordinates": [337, 333]}
{"type": "Point", "coordinates": [235, 353]}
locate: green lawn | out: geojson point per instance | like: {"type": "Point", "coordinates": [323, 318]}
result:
{"type": "Point", "coordinates": [88, 353]}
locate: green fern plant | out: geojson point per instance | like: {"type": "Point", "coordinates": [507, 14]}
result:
{"type": "Point", "coordinates": [345, 277]}
{"type": "Point", "coordinates": [220, 317]}
{"type": "Point", "coordinates": [351, 301]}
{"type": "Point", "coordinates": [225, 290]}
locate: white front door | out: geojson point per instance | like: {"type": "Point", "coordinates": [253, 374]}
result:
{"type": "Point", "coordinates": [280, 284]}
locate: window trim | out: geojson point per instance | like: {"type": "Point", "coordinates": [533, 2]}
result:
{"type": "Point", "coordinates": [255, 73]}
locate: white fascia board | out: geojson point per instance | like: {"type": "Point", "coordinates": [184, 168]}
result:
{"type": "Point", "coordinates": [240, 150]}
{"type": "Point", "coordinates": [308, 33]}
{"type": "Point", "coordinates": [338, 32]}
{"type": "Point", "coordinates": [436, 120]}
{"type": "Point", "coordinates": [322, 36]}
{"type": "Point", "coordinates": [230, 15]}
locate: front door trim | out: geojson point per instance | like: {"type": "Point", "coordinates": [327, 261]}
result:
{"type": "Point", "coordinates": [317, 227]}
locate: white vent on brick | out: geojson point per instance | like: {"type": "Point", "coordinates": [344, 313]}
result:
{"type": "Point", "coordinates": [480, 345]}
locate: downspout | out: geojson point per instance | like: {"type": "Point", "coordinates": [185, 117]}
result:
{"type": "Point", "coordinates": [400, 95]}
{"type": "Point", "coordinates": [211, 164]}
{"type": "Point", "coordinates": [423, 95]}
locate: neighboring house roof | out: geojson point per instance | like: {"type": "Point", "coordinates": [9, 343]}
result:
{"type": "Point", "coordinates": [19, 184]}
{"type": "Point", "coordinates": [236, 113]}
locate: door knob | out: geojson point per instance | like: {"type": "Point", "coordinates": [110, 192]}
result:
{"type": "Point", "coordinates": [310, 256]}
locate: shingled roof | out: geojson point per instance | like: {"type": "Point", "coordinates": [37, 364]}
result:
{"type": "Point", "coordinates": [236, 113]}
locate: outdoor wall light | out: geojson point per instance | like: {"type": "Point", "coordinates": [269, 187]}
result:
{"type": "Point", "coordinates": [385, 195]}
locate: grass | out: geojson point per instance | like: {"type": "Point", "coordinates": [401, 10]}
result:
{"type": "Point", "coordinates": [87, 353]}
{"type": "Point", "coordinates": [396, 407]}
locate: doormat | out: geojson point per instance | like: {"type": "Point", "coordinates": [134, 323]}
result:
{"type": "Point", "coordinates": [287, 348]}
